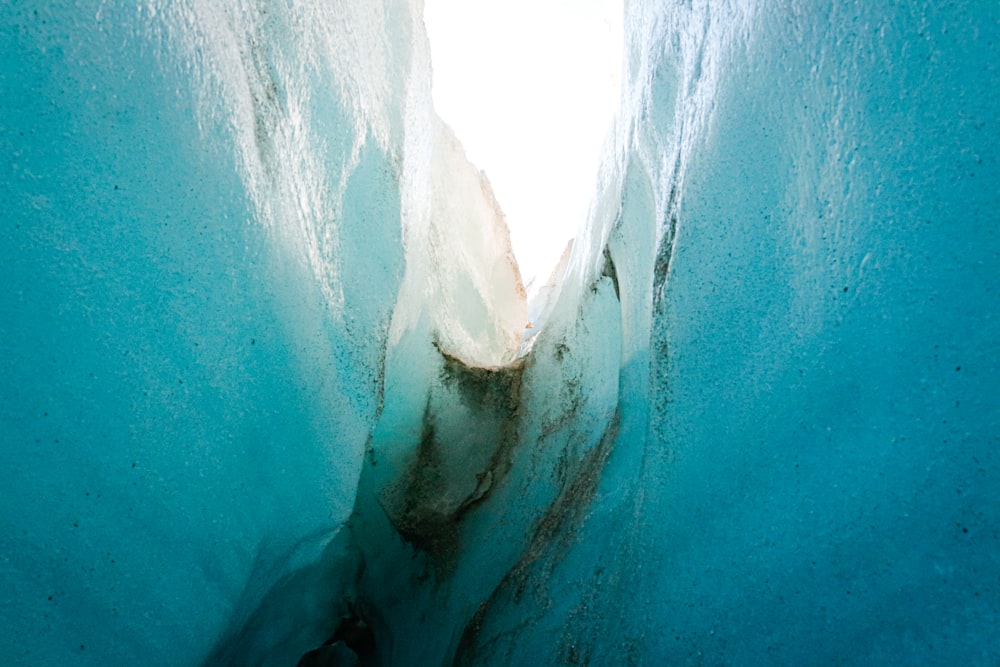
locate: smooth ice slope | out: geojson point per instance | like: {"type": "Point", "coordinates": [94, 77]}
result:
{"type": "Point", "coordinates": [462, 285]}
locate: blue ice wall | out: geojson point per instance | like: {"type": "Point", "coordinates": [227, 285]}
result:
{"type": "Point", "coordinates": [191, 365]}
{"type": "Point", "coordinates": [828, 462]}
{"type": "Point", "coordinates": [807, 465]}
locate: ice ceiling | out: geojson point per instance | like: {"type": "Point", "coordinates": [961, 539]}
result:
{"type": "Point", "coordinates": [269, 399]}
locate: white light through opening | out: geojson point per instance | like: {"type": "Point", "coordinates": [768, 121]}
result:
{"type": "Point", "coordinates": [530, 88]}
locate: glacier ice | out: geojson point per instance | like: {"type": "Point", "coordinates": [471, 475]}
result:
{"type": "Point", "coordinates": [192, 361]}
{"type": "Point", "coordinates": [266, 366]}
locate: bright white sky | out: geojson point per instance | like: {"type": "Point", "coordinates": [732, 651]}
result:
{"type": "Point", "coordinates": [530, 88]}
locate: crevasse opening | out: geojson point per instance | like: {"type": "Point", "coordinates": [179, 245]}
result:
{"type": "Point", "coordinates": [530, 89]}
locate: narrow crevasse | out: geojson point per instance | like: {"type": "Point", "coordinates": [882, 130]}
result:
{"type": "Point", "coordinates": [267, 382]}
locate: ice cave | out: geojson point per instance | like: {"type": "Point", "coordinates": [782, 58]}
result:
{"type": "Point", "coordinates": [269, 396]}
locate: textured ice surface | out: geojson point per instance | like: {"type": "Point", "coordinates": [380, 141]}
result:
{"type": "Point", "coordinates": [802, 212]}
{"type": "Point", "coordinates": [260, 328]}
{"type": "Point", "coordinates": [199, 257]}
